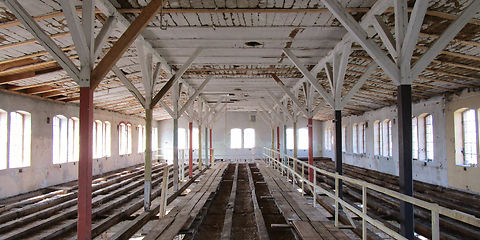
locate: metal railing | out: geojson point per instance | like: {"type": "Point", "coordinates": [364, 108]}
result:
{"type": "Point", "coordinates": [272, 158]}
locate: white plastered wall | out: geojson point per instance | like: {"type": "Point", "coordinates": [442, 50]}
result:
{"type": "Point", "coordinates": [42, 172]}
{"type": "Point", "coordinates": [431, 172]}
{"type": "Point", "coordinates": [221, 135]}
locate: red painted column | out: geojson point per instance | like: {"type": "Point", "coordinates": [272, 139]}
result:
{"type": "Point", "coordinates": [211, 147]}
{"type": "Point", "coordinates": [278, 143]}
{"type": "Point", "coordinates": [190, 150]}
{"type": "Point", "coordinates": [310, 149]}
{"type": "Point", "coordinates": [84, 224]}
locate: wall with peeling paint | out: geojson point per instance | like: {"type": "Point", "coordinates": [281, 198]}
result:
{"type": "Point", "coordinates": [434, 172]}
{"type": "Point", "coordinates": [461, 176]}
{"type": "Point", "coordinates": [42, 172]}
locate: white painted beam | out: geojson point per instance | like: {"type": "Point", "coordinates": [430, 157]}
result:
{"type": "Point", "coordinates": [290, 94]}
{"type": "Point", "coordinates": [76, 31]}
{"type": "Point", "coordinates": [309, 76]}
{"type": "Point", "coordinates": [441, 42]}
{"type": "Point", "coordinates": [342, 69]}
{"type": "Point", "coordinates": [146, 64]}
{"type": "Point", "coordinates": [370, 70]}
{"type": "Point", "coordinates": [108, 9]}
{"type": "Point", "coordinates": [357, 32]}
{"type": "Point", "coordinates": [45, 40]}
{"type": "Point", "coordinates": [385, 35]}
{"type": "Point", "coordinates": [411, 36]}
{"type": "Point", "coordinates": [279, 103]}
{"type": "Point", "coordinates": [195, 95]}
{"type": "Point", "coordinates": [103, 35]}
{"type": "Point", "coordinates": [129, 85]}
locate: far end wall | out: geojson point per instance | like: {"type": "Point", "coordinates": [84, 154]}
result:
{"type": "Point", "coordinates": [221, 135]}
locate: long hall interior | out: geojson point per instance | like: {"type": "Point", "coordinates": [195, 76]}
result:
{"type": "Point", "coordinates": [239, 119]}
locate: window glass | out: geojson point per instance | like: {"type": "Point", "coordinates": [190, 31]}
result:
{"type": "Point", "coordinates": [429, 136]}
{"type": "Point", "coordinates": [344, 137]}
{"type": "Point", "coordinates": [249, 138]}
{"type": "Point", "coordinates": [376, 138]}
{"type": "Point", "coordinates": [3, 139]}
{"type": "Point", "coordinates": [141, 139]}
{"type": "Point", "coordinates": [414, 138]}
{"type": "Point", "coordinates": [469, 137]}
{"type": "Point", "coordinates": [303, 138]}
{"type": "Point", "coordinates": [235, 138]}
{"type": "Point", "coordinates": [355, 138]}
{"type": "Point", "coordinates": [20, 139]}
{"type": "Point", "coordinates": [361, 138]}
{"type": "Point", "coordinates": [107, 146]}
{"type": "Point", "coordinates": [290, 138]}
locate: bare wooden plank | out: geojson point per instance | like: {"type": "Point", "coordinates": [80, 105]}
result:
{"type": "Point", "coordinates": [168, 226]}
{"type": "Point", "coordinates": [306, 230]}
{"type": "Point", "coordinates": [261, 228]}
{"type": "Point", "coordinates": [227, 223]}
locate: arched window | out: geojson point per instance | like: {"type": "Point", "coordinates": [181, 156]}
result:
{"type": "Point", "coordinates": [415, 138]}
{"type": "Point", "coordinates": [19, 139]}
{"type": "Point", "coordinates": [98, 139]}
{"type": "Point", "coordinates": [235, 138]}
{"type": "Point", "coordinates": [355, 138]}
{"type": "Point", "coordinates": [107, 140]}
{"type": "Point", "coordinates": [141, 139]}
{"type": "Point", "coordinates": [387, 138]}
{"type": "Point", "coordinates": [377, 143]}
{"type": "Point", "coordinates": [3, 139]}
{"type": "Point", "coordinates": [249, 138]}
{"type": "Point", "coordinates": [59, 139]}
{"type": "Point", "coordinates": [466, 136]}
{"type": "Point", "coordinates": [125, 138]}
{"type": "Point", "coordinates": [290, 138]}
{"type": "Point", "coordinates": [303, 138]}
{"type": "Point", "coordinates": [425, 137]}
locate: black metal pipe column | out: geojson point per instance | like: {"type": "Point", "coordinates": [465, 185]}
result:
{"type": "Point", "coordinates": [404, 102]}
{"type": "Point", "coordinates": [338, 149]}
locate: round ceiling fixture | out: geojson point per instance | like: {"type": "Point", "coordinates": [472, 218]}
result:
{"type": "Point", "coordinates": [253, 44]}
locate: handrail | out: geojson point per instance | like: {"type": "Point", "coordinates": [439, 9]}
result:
{"type": "Point", "coordinates": [435, 209]}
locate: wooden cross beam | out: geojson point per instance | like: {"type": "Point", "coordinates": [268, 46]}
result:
{"type": "Point", "coordinates": [124, 42]}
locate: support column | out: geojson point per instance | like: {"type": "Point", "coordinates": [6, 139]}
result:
{"type": "Point", "coordinates": [404, 102]}
{"type": "Point", "coordinates": [148, 159]}
{"type": "Point", "coordinates": [190, 150]}
{"type": "Point", "coordinates": [206, 147]}
{"type": "Point", "coordinates": [278, 143]}
{"type": "Point", "coordinates": [200, 147]}
{"type": "Point", "coordinates": [285, 143]}
{"type": "Point", "coordinates": [310, 149]}
{"type": "Point", "coordinates": [338, 149]}
{"type": "Point", "coordinates": [295, 153]}
{"type": "Point", "coordinates": [273, 138]}
{"type": "Point", "coordinates": [211, 147]}
{"type": "Point", "coordinates": [84, 223]}
{"type": "Point", "coordinates": [175, 154]}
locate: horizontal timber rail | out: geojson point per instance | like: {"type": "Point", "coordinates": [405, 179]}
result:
{"type": "Point", "coordinates": [388, 208]}
{"type": "Point", "coordinates": [436, 210]}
